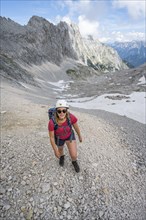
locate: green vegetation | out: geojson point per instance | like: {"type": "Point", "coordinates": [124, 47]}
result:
{"type": "Point", "coordinates": [90, 64]}
{"type": "Point", "coordinates": [71, 72]}
{"type": "Point", "coordinates": [99, 66]}
{"type": "Point", "coordinates": [74, 74]}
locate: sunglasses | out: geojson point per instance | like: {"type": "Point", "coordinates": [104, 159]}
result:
{"type": "Point", "coordinates": [64, 111]}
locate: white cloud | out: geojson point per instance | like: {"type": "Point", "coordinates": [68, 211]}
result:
{"type": "Point", "coordinates": [119, 36]}
{"type": "Point", "coordinates": [136, 8]}
{"type": "Point", "coordinates": [135, 35]}
{"type": "Point", "coordinates": [85, 14]}
{"type": "Point", "coordinates": [66, 19]}
{"type": "Point", "coordinates": [104, 39]}
{"type": "Point", "coordinates": [129, 36]}
{"type": "Point", "coordinates": [78, 6]}
{"type": "Point", "coordinates": [92, 10]}
{"type": "Point", "coordinates": [94, 19]}
{"type": "Point", "coordinates": [87, 27]}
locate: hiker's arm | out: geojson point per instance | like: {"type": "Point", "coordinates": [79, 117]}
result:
{"type": "Point", "coordinates": [52, 140]}
{"type": "Point", "coordinates": [76, 127]}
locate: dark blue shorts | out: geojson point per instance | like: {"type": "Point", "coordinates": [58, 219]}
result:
{"type": "Point", "coordinates": [59, 142]}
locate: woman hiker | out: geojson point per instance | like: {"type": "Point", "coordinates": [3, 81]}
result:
{"type": "Point", "coordinates": [64, 134]}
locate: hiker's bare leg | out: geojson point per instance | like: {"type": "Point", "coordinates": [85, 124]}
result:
{"type": "Point", "coordinates": [60, 149]}
{"type": "Point", "coordinates": [72, 147]}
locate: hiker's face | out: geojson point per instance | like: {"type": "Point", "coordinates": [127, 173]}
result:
{"type": "Point", "coordinates": [61, 112]}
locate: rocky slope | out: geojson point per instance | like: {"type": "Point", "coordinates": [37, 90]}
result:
{"type": "Point", "coordinates": [87, 84]}
{"type": "Point", "coordinates": [40, 41]}
{"type": "Point", "coordinates": [111, 184]}
{"type": "Point", "coordinates": [93, 53]}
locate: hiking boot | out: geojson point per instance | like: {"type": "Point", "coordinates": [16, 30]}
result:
{"type": "Point", "coordinates": [61, 160]}
{"type": "Point", "coordinates": [76, 166]}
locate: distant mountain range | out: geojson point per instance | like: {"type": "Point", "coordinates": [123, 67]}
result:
{"type": "Point", "coordinates": [133, 53]}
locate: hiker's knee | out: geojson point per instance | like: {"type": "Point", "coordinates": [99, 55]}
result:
{"type": "Point", "coordinates": [60, 149]}
{"type": "Point", "coordinates": [72, 149]}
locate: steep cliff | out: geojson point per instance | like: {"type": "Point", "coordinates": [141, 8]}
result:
{"type": "Point", "coordinates": [93, 53]}
{"type": "Point", "coordinates": [40, 41]}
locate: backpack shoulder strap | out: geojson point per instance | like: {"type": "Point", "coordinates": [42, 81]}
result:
{"type": "Point", "coordinates": [55, 123]}
{"type": "Point", "coordinates": [69, 120]}
{"type": "Point", "coordinates": [70, 124]}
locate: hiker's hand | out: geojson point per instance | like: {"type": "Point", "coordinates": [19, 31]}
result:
{"type": "Point", "coordinates": [57, 154]}
{"type": "Point", "coordinates": [80, 138]}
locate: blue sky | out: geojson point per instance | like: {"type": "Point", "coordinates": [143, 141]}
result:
{"type": "Point", "coordinates": [108, 20]}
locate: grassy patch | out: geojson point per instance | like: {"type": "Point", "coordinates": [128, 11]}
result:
{"type": "Point", "coordinates": [71, 72]}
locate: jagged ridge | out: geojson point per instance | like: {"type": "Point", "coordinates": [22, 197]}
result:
{"type": "Point", "coordinates": [40, 41]}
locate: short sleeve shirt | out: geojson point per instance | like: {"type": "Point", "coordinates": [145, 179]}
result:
{"type": "Point", "coordinates": [63, 131]}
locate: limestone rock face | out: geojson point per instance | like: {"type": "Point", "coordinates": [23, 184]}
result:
{"type": "Point", "coordinates": [93, 53]}
{"type": "Point", "coordinates": [40, 41]}
{"type": "Point", "coordinates": [37, 42]}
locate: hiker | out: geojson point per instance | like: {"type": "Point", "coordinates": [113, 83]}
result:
{"type": "Point", "coordinates": [63, 133]}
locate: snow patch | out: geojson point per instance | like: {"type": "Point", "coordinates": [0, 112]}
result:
{"type": "Point", "coordinates": [131, 106]}
{"type": "Point", "coordinates": [142, 81]}
{"type": "Point", "coordinates": [61, 85]}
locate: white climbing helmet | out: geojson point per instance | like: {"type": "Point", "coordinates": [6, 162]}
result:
{"type": "Point", "coordinates": [62, 103]}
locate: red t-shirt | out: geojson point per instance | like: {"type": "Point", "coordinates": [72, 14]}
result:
{"type": "Point", "coordinates": [63, 130]}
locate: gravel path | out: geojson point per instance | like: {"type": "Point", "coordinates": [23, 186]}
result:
{"type": "Point", "coordinates": [111, 184]}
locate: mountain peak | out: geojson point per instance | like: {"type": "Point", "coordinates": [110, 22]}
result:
{"type": "Point", "coordinates": [36, 20]}
{"type": "Point", "coordinates": [40, 41]}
